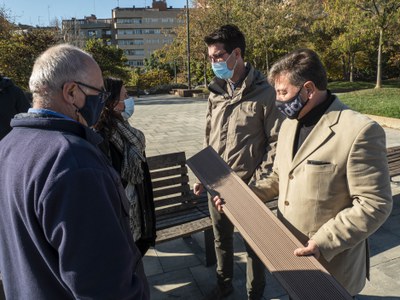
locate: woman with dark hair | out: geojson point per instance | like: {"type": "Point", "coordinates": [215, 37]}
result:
{"type": "Point", "coordinates": [125, 146]}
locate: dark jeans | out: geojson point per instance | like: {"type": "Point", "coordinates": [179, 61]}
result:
{"type": "Point", "coordinates": [255, 270]}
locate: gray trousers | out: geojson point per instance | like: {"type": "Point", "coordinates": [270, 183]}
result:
{"type": "Point", "coordinates": [255, 270]}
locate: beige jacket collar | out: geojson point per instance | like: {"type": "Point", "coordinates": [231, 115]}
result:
{"type": "Point", "coordinates": [321, 133]}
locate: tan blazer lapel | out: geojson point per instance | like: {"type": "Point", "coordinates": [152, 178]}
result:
{"type": "Point", "coordinates": [322, 131]}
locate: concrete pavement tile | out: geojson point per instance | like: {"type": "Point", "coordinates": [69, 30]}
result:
{"type": "Point", "coordinates": [152, 263]}
{"type": "Point", "coordinates": [391, 270]}
{"type": "Point", "coordinates": [392, 224]}
{"type": "Point", "coordinates": [204, 277]}
{"type": "Point", "coordinates": [384, 245]}
{"type": "Point", "coordinates": [206, 280]}
{"type": "Point", "coordinates": [273, 289]}
{"type": "Point", "coordinates": [385, 282]}
{"type": "Point", "coordinates": [384, 256]}
{"type": "Point", "coordinates": [178, 284]}
{"type": "Point", "coordinates": [176, 255]}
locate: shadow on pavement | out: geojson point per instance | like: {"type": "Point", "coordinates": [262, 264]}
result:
{"type": "Point", "coordinates": [387, 236]}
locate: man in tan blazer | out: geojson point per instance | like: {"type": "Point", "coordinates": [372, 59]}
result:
{"type": "Point", "coordinates": [330, 171]}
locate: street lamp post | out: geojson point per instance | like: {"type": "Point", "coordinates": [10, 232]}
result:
{"type": "Point", "coordinates": [188, 44]}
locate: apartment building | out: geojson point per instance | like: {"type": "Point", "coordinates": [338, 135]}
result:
{"type": "Point", "coordinates": [141, 31]}
{"type": "Point", "coordinates": [138, 31]}
{"type": "Point", "coordinates": [77, 31]}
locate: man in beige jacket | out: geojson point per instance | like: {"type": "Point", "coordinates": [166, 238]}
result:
{"type": "Point", "coordinates": [330, 171]}
{"type": "Point", "coordinates": [242, 126]}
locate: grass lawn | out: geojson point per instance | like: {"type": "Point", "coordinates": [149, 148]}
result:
{"type": "Point", "coordinates": [362, 97]}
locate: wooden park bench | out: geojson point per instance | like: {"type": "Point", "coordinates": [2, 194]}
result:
{"type": "Point", "coordinates": [180, 213]}
{"type": "Point", "coordinates": [393, 156]}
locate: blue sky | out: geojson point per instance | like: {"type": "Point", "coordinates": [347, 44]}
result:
{"type": "Point", "coordinates": [39, 12]}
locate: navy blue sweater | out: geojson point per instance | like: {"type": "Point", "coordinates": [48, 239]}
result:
{"type": "Point", "coordinates": [64, 229]}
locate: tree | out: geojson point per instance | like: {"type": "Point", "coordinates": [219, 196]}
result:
{"type": "Point", "coordinates": [19, 51]}
{"type": "Point", "coordinates": [153, 78]}
{"type": "Point", "coordinates": [111, 59]}
{"type": "Point", "coordinates": [5, 24]}
{"type": "Point", "coordinates": [157, 61]}
{"type": "Point", "coordinates": [342, 37]}
{"type": "Point", "coordinates": [271, 27]}
{"type": "Point", "coordinates": [382, 13]}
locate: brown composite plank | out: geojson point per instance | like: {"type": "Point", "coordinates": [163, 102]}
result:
{"type": "Point", "coordinates": [303, 277]}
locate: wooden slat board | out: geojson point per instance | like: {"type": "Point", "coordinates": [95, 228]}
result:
{"type": "Point", "coordinates": [182, 230]}
{"type": "Point", "coordinates": [303, 277]}
{"type": "Point", "coordinates": [393, 156]}
{"type": "Point", "coordinates": [166, 160]}
{"type": "Point", "coordinates": [156, 175]}
{"type": "Point", "coordinates": [171, 200]}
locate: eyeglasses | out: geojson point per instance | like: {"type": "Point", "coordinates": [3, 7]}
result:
{"type": "Point", "coordinates": [217, 57]}
{"type": "Point", "coordinates": [103, 94]}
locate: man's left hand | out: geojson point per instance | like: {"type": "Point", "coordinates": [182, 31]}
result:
{"type": "Point", "coordinates": [310, 249]}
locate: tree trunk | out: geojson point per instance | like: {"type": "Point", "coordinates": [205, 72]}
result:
{"type": "Point", "coordinates": [344, 68]}
{"type": "Point", "coordinates": [205, 70]}
{"type": "Point", "coordinates": [348, 66]}
{"type": "Point", "coordinates": [379, 66]}
{"type": "Point", "coordinates": [352, 67]}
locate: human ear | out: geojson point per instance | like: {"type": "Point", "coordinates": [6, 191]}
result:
{"type": "Point", "coordinates": [310, 88]}
{"type": "Point", "coordinates": [238, 52]}
{"type": "Point", "coordinates": [68, 92]}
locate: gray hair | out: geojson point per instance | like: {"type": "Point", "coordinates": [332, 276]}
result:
{"type": "Point", "coordinates": [56, 66]}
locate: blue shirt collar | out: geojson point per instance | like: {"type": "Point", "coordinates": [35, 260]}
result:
{"type": "Point", "coordinates": [49, 112]}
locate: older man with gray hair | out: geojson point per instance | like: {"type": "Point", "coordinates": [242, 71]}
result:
{"type": "Point", "coordinates": [64, 231]}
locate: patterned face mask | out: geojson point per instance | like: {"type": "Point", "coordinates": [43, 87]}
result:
{"type": "Point", "coordinates": [292, 107]}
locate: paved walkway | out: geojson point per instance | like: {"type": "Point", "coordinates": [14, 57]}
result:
{"type": "Point", "coordinates": [176, 269]}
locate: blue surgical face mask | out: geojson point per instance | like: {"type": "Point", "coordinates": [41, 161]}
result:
{"type": "Point", "coordinates": [91, 111]}
{"type": "Point", "coordinates": [129, 108]}
{"type": "Point", "coordinates": [221, 69]}
{"type": "Point", "coordinates": [291, 108]}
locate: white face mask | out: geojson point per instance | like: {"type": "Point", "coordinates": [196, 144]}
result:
{"type": "Point", "coordinates": [129, 108]}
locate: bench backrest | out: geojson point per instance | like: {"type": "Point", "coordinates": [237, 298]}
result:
{"type": "Point", "coordinates": [393, 156]}
{"type": "Point", "coordinates": [170, 180]}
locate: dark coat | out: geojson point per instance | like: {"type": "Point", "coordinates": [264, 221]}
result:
{"type": "Point", "coordinates": [12, 102]}
{"type": "Point", "coordinates": [64, 231]}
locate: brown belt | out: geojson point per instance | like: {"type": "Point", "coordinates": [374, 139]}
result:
{"type": "Point", "coordinates": [302, 277]}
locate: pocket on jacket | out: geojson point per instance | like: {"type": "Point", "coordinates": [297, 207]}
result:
{"type": "Point", "coordinates": [319, 180]}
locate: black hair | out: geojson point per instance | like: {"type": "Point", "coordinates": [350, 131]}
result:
{"type": "Point", "coordinates": [108, 115]}
{"type": "Point", "coordinates": [230, 36]}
